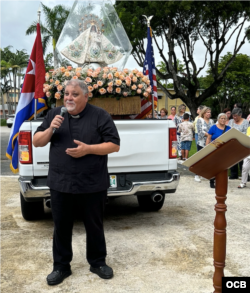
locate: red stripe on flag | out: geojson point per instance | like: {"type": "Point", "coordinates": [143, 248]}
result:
{"type": "Point", "coordinates": [139, 116]}
{"type": "Point", "coordinates": [143, 102]}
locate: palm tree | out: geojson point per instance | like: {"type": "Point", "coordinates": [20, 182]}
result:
{"type": "Point", "coordinates": [55, 19]}
{"type": "Point", "coordinates": [12, 64]}
{"type": "Point", "coordinates": [5, 89]}
{"type": "Point", "coordinates": [18, 62]}
{"type": "Point", "coordinates": [6, 54]}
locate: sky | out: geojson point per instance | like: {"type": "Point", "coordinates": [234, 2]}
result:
{"type": "Point", "coordinates": [17, 16]}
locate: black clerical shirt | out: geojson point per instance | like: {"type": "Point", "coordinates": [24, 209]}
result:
{"type": "Point", "coordinates": [86, 174]}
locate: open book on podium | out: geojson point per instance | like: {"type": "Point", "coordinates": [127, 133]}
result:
{"type": "Point", "coordinates": [221, 154]}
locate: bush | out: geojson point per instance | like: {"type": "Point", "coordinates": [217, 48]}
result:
{"type": "Point", "coordinates": [3, 122]}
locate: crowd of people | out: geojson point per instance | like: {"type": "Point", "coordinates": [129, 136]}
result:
{"type": "Point", "coordinates": [204, 130]}
{"type": "Point", "coordinates": [163, 114]}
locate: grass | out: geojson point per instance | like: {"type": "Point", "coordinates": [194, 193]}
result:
{"type": "Point", "coordinates": [193, 149]}
{"type": "Point", "coordinates": [3, 122]}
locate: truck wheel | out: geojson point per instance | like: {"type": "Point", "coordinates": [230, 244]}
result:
{"type": "Point", "coordinates": [150, 204]}
{"type": "Point", "coordinates": [31, 210]}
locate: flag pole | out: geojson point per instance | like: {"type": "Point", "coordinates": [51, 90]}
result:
{"type": "Point", "coordinates": [38, 21]}
{"type": "Point", "coordinates": [152, 95]}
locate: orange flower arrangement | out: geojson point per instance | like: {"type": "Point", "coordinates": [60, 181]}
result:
{"type": "Point", "coordinates": [101, 82]}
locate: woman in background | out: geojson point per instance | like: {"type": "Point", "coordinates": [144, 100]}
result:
{"type": "Point", "coordinates": [245, 168]}
{"type": "Point", "coordinates": [215, 131]}
{"type": "Point", "coordinates": [156, 114]}
{"type": "Point", "coordinates": [173, 113]}
{"type": "Point", "coordinates": [177, 120]}
{"type": "Point", "coordinates": [228, 112]}
{"type": "Point", "coordinates": [195, 124]}
{"type": "Point", "coordinates": [204, 123]}
{"type": "Point", "coordinates": [163, 113]}
{"type": "Point", "coordinates": [197, 177]}
{"type": "Point", "coordinates": [240, 124]}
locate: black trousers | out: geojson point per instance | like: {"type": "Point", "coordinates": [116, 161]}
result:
{"type": "Point", "coordinates": [91, 207]}
{"type": "Point", "coordinates": [200, 148]}
{"type": "Point", "coordinates": [234, 169]}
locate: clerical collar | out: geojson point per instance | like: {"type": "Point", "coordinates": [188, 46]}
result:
{"type": "Point", "coordinates": [80, 114]}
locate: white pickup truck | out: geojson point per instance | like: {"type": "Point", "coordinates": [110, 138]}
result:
{"type": "Point", "coordinates": [144, 167]}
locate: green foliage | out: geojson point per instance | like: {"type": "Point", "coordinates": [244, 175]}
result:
{"type": "Point", "coordinates": [65, 62]}
{"type": "Point", "coordinates": [235, 87]}
{"type": "Point", "coordinates": [55, 19]}
{"type": "Point", "coordinates": [3, 122]}
{"type": "Point", "coordinates": [11, 68]}
{"type": "Point", "coordinates": [193, 149]}
{"type": "Point", "coordinates": [6, 87]}
{"type": "Point", "coordinates": [182, 24]}
{"type": "Point", "coordinates": [48, 62]}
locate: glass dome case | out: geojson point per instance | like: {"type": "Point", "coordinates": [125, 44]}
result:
{"type": "Point", "coordinates": [93, 36]}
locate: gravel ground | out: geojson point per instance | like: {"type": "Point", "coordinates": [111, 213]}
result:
{"type": "Point", "coordinates": [166, 251]}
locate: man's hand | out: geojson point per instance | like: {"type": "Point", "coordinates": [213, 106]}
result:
{"type": "Point", "coordinates": [56, 122]}
{"type": "Point", "coordinates": [81, 150]}
{"type": "Point", "coordinates": [41, 138]}
{"type": "Point", "coordinates": [84, 149]}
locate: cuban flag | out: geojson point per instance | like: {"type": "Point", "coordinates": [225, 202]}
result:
{"type": "Point", "coordinates": [149, 70]}
{"type": "Point", "coordinates": [32, 89]}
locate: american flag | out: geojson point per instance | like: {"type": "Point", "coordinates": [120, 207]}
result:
{"type": "Point", "coordinates": [149, 70]}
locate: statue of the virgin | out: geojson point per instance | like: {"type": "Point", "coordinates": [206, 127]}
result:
{"type": "Point", "coordinates": [92, 46]}
{"type": "Point", "coordinates": [94, 36]}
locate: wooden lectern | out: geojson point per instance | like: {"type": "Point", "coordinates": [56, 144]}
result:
{"type": "Point", "coordinates": [213, 161]}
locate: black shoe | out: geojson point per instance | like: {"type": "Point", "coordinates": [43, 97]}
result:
{"type": "Point", "coordinates": [212, 185]}
{"type": "Point", "coordinates": [104, 272]}
{"type": "Point", "coordinates": [56, 277]}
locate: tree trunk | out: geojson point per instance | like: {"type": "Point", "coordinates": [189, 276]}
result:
{"type": "Point", "coordinates": [8, 102]}
{"type": "Point", "coordinates": [55, 59]}
{"type": "Point", "coordinates": [9, 99]}
{"type": "Point", "coordinates": [19, 82]}
{"type": "Point", "coordinates": [14, 79]}
{"type": "Point", "coordinates": [192, 107]}
{"type": "Point", "coordinates": [54, 53]}
{"type": "Point", "coordinates": [3, 106]}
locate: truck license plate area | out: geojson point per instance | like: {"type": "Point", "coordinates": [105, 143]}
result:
{"type": "Point", "coordinates": [113, 181]}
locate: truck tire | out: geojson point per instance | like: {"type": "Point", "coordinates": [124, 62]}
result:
{"type": "Point", "coordinates": [31, 210]}
{"type": "Point", "coordinates": [147, 204]}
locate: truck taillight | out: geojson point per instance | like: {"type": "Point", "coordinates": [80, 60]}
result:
{"type": "Point", "coordinates": [172, 143]}
{"type": "Point", "coordinates": [25, 147]}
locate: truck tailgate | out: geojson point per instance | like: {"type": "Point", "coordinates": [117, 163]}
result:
{"type": "Point", "coordinates": [144, 147]}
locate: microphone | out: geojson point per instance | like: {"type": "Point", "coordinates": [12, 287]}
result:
{"type": "Point", "coordinates": [63, 111]}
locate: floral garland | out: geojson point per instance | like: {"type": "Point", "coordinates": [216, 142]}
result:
{"type": "Point", "coordinates": [101, 82]}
